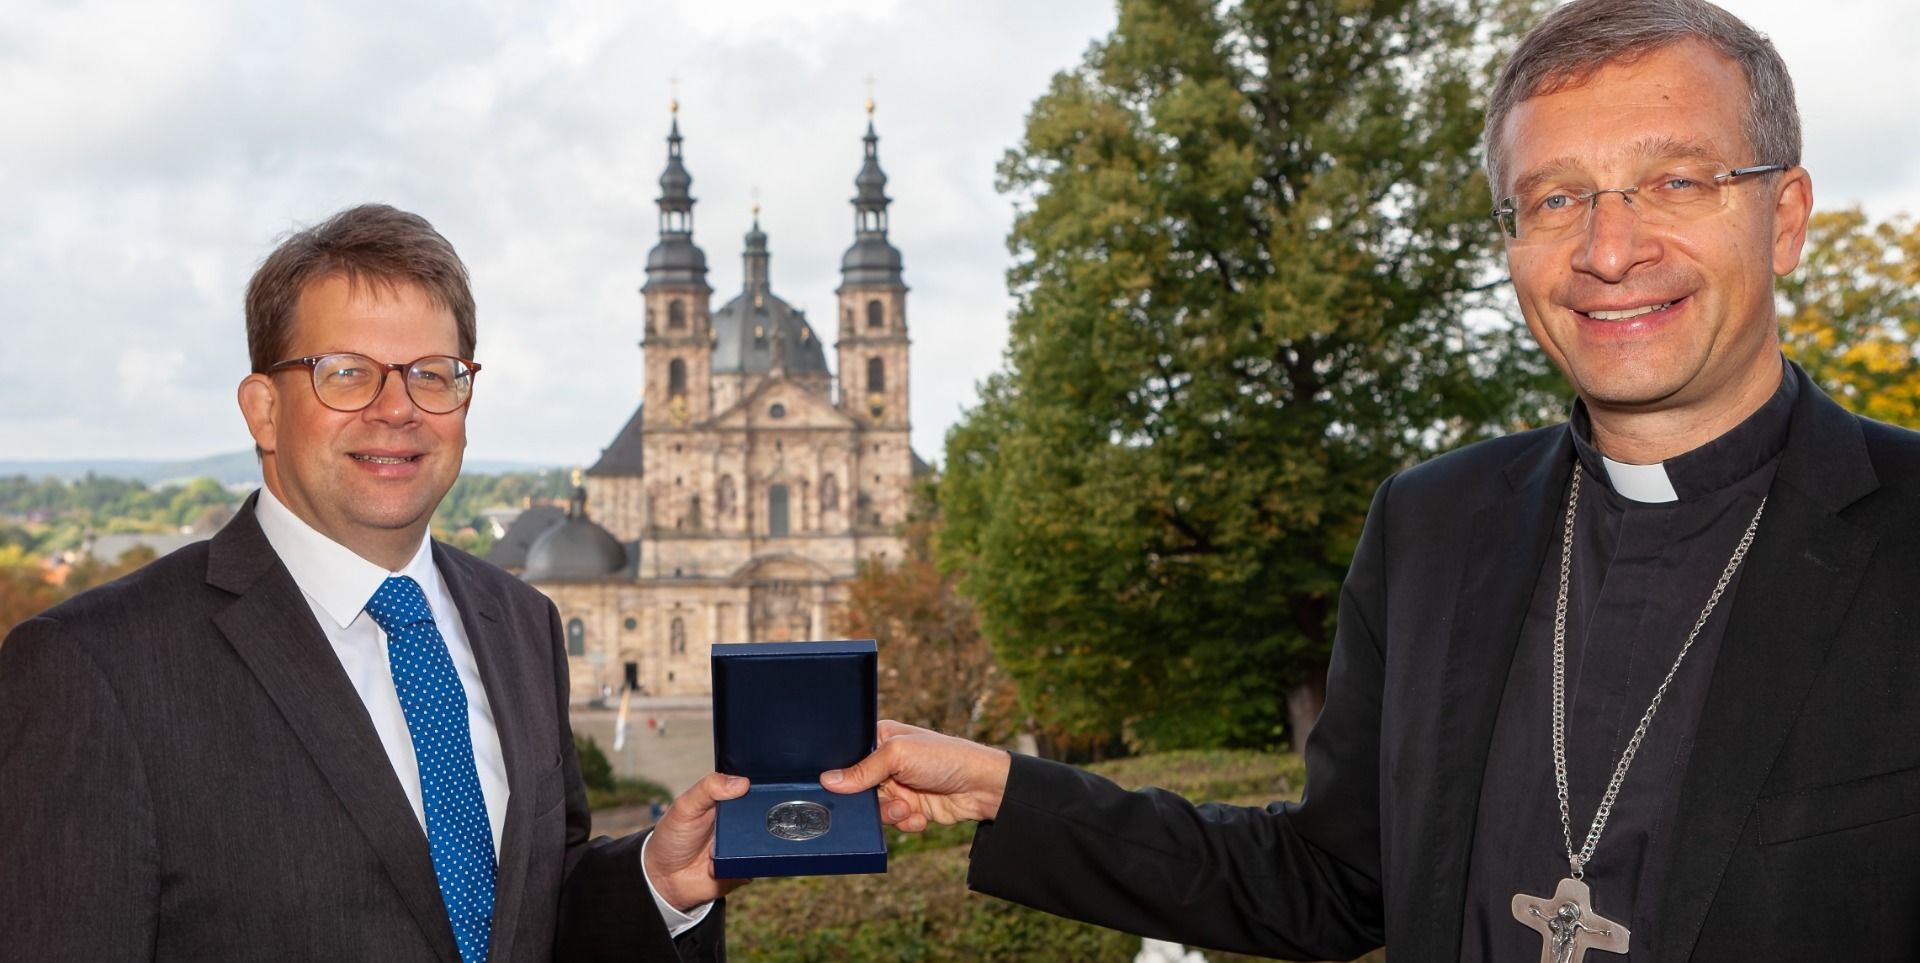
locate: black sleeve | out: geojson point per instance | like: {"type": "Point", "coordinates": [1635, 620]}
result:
{"type": "Point", "coordinates": [1299, 881]}
{"type": "Point", "coordinates": [78, 865]}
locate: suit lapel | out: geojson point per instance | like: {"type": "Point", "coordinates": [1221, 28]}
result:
{"type": "Point", "coordinates": [493, 652]}
{"type": "Point", "coordinates": [1503, 556]}
{"type": "Point", "coordinates": [1801, 575]}
{"type": "Point", "coordinates": [271, 628]}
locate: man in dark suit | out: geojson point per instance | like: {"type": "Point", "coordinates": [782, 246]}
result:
{"type": "Point", "coordinates": [322, 735]}
{"type": "Point", "coordinates": [1637, 684]}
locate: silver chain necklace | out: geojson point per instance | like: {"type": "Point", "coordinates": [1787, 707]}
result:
{"type": "Point", "coordinates": [1566, 921]}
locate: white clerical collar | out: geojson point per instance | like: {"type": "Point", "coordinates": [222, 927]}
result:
{"type": "Point", "coordinates": [1641, 483]}
{"type": "Point", "coordinates": [333, 575]}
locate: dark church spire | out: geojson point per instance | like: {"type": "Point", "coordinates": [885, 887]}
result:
{"type": "Point", "coordinates": [676, 260]}
{"type": "Point", "coordinates": [756, 255]}
{"type": "Point", "coordinates": [871, 259]}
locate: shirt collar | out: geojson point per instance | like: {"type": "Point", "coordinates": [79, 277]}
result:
{"type": "Point", "coordinates": [331, 574]}
{"type": "Point", "coordinates": [1713, 466]}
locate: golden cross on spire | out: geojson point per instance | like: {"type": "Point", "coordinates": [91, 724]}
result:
{"type": "Point", "coordinates": [756, 202]}
{"type": "Point", "coordinates": [869, 95]}
{"type": "Point", "coordinates": [673, 104]}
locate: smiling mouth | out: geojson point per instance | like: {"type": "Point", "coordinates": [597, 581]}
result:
{"type": "Point", "coordinates": [387, 459]}
{"type": "Point", "coordinates": [1630, 313]}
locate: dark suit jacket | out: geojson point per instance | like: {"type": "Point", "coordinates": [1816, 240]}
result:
{"type": "Point", "coordinates": [186, 773]}
{"type": "Point", "coordinates": [1798, 835]}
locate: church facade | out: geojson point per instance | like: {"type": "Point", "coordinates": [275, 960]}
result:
{"type": "Point", "coordinates": [740, 498]}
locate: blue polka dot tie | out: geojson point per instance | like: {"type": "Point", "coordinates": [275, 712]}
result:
{"type": "Point", "coordinates": [436, 710]}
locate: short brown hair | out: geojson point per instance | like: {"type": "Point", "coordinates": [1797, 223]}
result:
{"type": "Point", "coordinates": [1570, 44]}
{"type": "Point", "coordinates": [369, 244]}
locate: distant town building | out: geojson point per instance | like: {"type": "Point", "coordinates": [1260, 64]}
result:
{"type": "Point", "coordinates": [108, 548]}
{"type": "Point", "coordinates": [739, 499]}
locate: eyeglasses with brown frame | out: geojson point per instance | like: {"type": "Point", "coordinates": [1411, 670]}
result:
{"type": "Point", "coordinates": [437, 384]}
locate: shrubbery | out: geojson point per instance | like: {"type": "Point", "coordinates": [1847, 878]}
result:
{"type": "Point", "coordinates": [603, 788]}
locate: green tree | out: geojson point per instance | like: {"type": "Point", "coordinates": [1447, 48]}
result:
{"type": "Point", "coordinates": [24, 589]}
{"type": "Point", "coordinates": [936, 669]}
{"type": "Point", "coordinates": [1250, 241]}
{"type": "Point", "coordinates": [1851, 314]}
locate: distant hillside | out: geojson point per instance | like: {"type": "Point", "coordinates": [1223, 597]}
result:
{"type": "Point", "coordinates": [233, 468]}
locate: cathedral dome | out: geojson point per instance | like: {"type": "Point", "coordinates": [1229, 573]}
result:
{"type": "Point", "coordinates": [577, 549]}
{"type": "Point", "coordinates": [757, 332]}
{"type": "Point", "coordinates": [756, 329]}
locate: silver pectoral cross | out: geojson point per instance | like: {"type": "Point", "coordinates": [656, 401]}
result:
{"type": "Point", "coordinates": [1567, 924]}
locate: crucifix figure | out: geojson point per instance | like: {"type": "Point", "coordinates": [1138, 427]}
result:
{"type": "Point", "coordinates": [1568, 927]}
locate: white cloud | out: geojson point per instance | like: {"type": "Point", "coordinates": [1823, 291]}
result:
{"type": "Point", "coordinates": [151, 153]}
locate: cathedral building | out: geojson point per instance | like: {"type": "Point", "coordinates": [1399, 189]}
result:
{"type": "Point", "coordinates": [738, 501]}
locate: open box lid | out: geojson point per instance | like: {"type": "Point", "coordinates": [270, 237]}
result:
{"type": "Point", "coordinates": [783, 712]}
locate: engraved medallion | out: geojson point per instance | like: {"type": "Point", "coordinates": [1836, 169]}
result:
{"type": "Point", "coordinates": [799, 820]}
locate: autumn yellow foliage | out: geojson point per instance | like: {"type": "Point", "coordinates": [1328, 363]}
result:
{"type": "Point", "coordinates": [1851, 314]}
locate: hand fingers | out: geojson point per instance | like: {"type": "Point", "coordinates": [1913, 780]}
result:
{"type": "Point", "coordinates": [889, 729]}
{"type": "Point", "coordinates": [700, 798]}
{"type": "Point", "coordinates": [865, 774]}
{"type": "Point", "coordinates": [893, 811]}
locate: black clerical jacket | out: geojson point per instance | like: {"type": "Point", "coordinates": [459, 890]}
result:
{"type": "Point", "coordinates": [1798, 831]}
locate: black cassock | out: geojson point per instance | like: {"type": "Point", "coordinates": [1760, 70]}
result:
{"type": "Point", "coordinates": [1641, 572]}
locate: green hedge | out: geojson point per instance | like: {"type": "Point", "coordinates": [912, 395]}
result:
{"type": "Point", "coordinates": [922, 912]}
{"type": "Point", "coordinates": [604, 789]}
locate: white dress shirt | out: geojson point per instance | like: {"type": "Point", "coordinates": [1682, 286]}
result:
{"type": "Point", "coordinates": [337, 584]}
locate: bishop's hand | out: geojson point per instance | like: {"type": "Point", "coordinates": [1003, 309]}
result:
{"type": "Point", "coordinates": [925, 777]}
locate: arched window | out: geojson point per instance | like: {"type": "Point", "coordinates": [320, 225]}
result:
{"type": "Point", "coordinates": [723, 502]}
{"type": "Point", "coordinates": [876, 314]}
{"type": "Point", "coordinates": [693, 514]}
{"type": "Point", "coordinates": [576, 637]}
{"type": "Point", "coordinates": [829, 494]}
{"type": "Point", "coordinates": [676, 378]}
{"type": "Point", "coordinates": [777, 511]}
{"type": "Point", "coordinates": [876, 375]}
{"type": "Point", "coordinates": [676, 313]}
{"type": "Point", "coordinates": [677, 637]}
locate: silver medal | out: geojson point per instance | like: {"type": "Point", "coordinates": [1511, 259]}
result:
{"type": "Point", "coordinates": [799, 820]}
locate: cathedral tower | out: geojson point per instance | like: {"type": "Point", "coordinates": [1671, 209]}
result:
{"type": "Point", "coordinates": [873, 305]}
{"type": "Point", "coordinates": [678, 345]}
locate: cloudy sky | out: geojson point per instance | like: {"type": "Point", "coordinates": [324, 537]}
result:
{"type": "Point", "coordinates": [150, 153]}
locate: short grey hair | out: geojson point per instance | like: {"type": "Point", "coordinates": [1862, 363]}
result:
{"type": "Point", "coordinates": [1572, 43]}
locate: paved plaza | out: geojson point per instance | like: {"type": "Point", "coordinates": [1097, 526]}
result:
{"type": "Point", "coordinates": [675, 750]}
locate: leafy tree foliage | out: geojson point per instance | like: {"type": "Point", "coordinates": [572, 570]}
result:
{"type": "Point", "coordinates": [50, 515]}
{"type": "Point", "coordinates": [24, 588]}
{"type": "Point", "coordinates": [28, 587]}
{"type": "Point", "coordinates": [936, 669]}
{"type": "Point", "coordinates": [457, 519]}
{"type": "Point", "coordinates": [1851, 314]}
{"type": "Point", "coordinates": [1251, 252]}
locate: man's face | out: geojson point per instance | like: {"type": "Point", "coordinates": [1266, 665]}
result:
{"type": "Point", "coordinates": [1712, 341]}
{"type": "Point", "coordinates": [368, 479]}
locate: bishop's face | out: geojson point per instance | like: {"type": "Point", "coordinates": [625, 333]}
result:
{"type": "Point", "coordinates": [1650, 314]}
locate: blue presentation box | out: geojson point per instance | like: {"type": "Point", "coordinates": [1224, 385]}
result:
{"type": "Point", "coordinates": [784, 712]}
